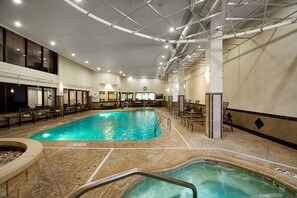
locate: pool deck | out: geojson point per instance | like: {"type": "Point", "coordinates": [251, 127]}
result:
{"type": "Point", "coordinates": [66, 165]}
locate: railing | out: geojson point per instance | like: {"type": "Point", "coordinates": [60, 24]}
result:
{"type": "Point", "coordinates": [91, 185]}
{"type": "Point", "coordinates": [159, 122]}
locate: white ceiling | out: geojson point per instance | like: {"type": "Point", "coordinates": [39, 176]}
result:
{"type": "Point", "coordinates": [109, 48]}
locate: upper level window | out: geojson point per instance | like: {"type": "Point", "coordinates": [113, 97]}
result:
{"type": "Point", "coordinates": [15, 49]}
{"type": "Point", "coordinates": [49, 61]}
{"type": "Point", "coordinates": [1, 44]}
{"type": "Point", "coordinates": [79, 97]}
{"type": "Point", "coordinates": [34, 56]}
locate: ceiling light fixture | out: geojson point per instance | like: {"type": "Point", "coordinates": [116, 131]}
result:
{"type": "Point", "coordinates": [108, 71]}
{"type": "Point", "coordinates": [171, 29]}
{"type": "Point", "coordinates": [98, 68]}
{"type": "Point", "coordinates": [161, 63]}
{"type": "Point", "coordinates": [199, 46]}
{"type": "Point", "coordinates": [121, 71]}
{"type": "Point", "coordinates": [159, 68]}
{"type": "Point", "coordinates": [166, 46]}
{"type": "Point", "coordinates": [18, 24]}
{"type": "Point", "coordinates": [53, 43]}
{"type": "Point", "coordinates": [73, 54]}
{"type": "Point", "coordinates": [163, 56]}
{"type": "Point", "coordinates": [86, 61]}
{"type": "Point", "coordinates": [124, 74]}
{"type": "Point", "coordinates": [78, 1]}
{"type": "Point", "coordinates": [17, 1]}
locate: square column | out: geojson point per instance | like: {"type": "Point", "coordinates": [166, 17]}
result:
{"type": "Point", "coordinates": [214, 84]}
{"type": "Point", "coordinates": [181, 89]}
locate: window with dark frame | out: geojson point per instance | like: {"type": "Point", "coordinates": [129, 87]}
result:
{"type": "Point", "coordinates": [1, 43]}
{"type": "Point", "coordinates": [34, 55]}
{"type": "Point", "coordinates": [20, 51]}
{"type": "Point", "coordinates": [15, 49]}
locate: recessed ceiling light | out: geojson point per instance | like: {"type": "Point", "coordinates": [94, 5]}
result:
{"type": "Point", "coordinates": [163, 56]}
{"type": "Point", "coordinates": [161, 63]}
{"type": "Point", "coordinates": [86, 62]}
{"type": "Point", "coordinates": [199, 46]}
{"type": "Point", "coordinates": [121, 71]}
{"type": "Point", "coordinates": [108, 70]}
{"type": "Point", "coordinates": [171, 29]}
{"type": "Point", "coordinates": [53, 43]}
{"type": "Point", "coordinates": [17, 1]}
{"type": "Point", "coordinates": [78, 1]}
{"type": "Point", "coordinates": [73, 54]}
{"type": "Point", "coordinates": [159, 68]}
{"type": "Point", "coordinates": [18, 49]}
{"type": "Point", "coordinates": [124, 74]}
{"type": "Point", "coordinates": [166, 46]}
{"type": "Point", "coordinates": [17, 24]}
{"type": "Point", "coordinates": [98, 68]}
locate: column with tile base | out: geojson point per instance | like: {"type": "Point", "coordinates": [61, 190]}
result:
{"type": "Point", "coordinates": [214, 84]}
{"type": "Point", "coordinates": [181, 90]}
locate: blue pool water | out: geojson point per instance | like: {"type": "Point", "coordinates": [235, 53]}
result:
{"type": "Point", "coordinates": [127, 125]}
{"type": "Point", "coordinates": [212, 180]}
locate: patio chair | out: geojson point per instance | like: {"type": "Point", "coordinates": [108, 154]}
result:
{"type": "Point", "coordinates": [226, 118]}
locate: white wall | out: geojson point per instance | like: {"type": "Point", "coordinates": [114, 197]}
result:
{"type": "Point", "coordinates": [136, 85]}
{"type": "Point", "coordinates": [16, 74]}
{"type": "Point", "coordinates": [73, 75]}
{"type": "Point", "coordinates": [195, 86]}
{"type": "Point", "coordinates": [104, 82]}
{"type": "Point", "coordinates": [261, 74]}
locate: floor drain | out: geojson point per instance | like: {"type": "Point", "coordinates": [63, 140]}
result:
{"type": "Point", "coordinates": [286, 172]}
{"type": "Point", "coordinates": [77, 144]}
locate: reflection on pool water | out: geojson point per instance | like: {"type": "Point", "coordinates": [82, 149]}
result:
{"type": "Point", "coordinates": [125, 125]}
{"type": "Point", "coordinates": [212, 180]}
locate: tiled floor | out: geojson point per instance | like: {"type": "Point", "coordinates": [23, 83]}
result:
{"type": "Point", "coordinates": [66, 165]}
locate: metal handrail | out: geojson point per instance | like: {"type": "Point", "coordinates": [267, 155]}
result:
{"type": "Point", "coordinates": [158, 124]}
{"type": "Point", "coordinates": [94, 184]}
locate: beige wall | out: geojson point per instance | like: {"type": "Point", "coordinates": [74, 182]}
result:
{"type": "Point", "coordinates": [195, 86]}
{"type": "Point", "coordinates": [261, 74]}
{"type": "Point", "coordinates": [136, 85]}
{"type": "Point", "coordinates": [17, 74]}
{"type": "Point", "coordinates": [73, 75]}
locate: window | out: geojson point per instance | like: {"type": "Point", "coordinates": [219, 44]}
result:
{"type": "Point", "coordinates": [49, 61]}
{"type": "Point", "coordinates": [15, 49]}
{"type": "Point", "coordinates": [34, 56]}
{"type": "Point", "coordinates": [16, 97]}
{"type": "Point", "coordinates": [72, 97]}
{"type": "Point", "coordinates": [126, 96]}
{"type": "Point", "coordinates": [49, 97]}
{"type": "Point", "coordinates": [144, 96]}
{"type": "Point", "coordinates": [2, 98]}
{"type": "Point", "coordinates": [112, 96]}
{"type": "Point", "coordinates": [1, 44]}
{"type": "Point", "coordinates": [65, 96]}
{"type": "Point", "coordinates": [34, 97]}
{"type": "Point", "coordinates": [103, 96]}
{"type": "Point", "coordinates": [85, 97]}
{"type": "Point", "coordinates": [79, 97]}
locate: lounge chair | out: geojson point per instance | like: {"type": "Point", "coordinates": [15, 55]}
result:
{"type": "Point", "coordinates": [226, 118]}
{"type": "Point", "coordinates": [25, 114]}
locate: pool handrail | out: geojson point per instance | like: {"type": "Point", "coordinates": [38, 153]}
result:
{"type": "Point", "coordinates": [135, 171]}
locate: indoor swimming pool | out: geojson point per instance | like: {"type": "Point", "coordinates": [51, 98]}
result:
{"type": "Point", "coordinates": [212, 180]}
{"type": "Point", "coordinates": [120, 125]}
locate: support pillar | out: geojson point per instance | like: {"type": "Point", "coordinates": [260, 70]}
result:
{"type": "Point", "coordinates": [169, 106]}
{"type": "Point", "coordinates": [214, 84]}
{"type": "Point", "coordinates": [181, 90]}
